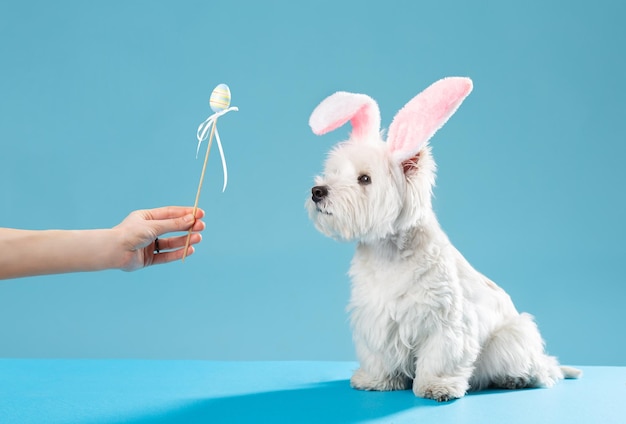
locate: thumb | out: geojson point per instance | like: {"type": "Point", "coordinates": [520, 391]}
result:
{"type": "Point", "coordinates": [171, 225]}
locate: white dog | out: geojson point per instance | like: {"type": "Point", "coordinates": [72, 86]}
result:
{"type": "Point", "coordinates": [421, 315]}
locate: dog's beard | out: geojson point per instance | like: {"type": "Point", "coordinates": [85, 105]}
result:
{"type": "Point", "coordinates": [330, 221]}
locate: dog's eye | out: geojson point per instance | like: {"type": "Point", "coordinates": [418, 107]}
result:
{"type": "Point", "coordinates": [364, 179]}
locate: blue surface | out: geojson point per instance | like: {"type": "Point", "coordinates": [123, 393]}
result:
{"type": "Point", "coordinates": [132, 391]}
{"type": "Point", "coordinates": [99, 106]}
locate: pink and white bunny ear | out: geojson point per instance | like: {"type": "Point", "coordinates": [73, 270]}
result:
{"type": "Point", "coordinates": [341, 107]}
{"type": "Point", "coordinates": [421, 117]}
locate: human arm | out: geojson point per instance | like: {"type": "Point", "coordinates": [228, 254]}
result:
{"type": "Point", "coordinates": [127, 246]}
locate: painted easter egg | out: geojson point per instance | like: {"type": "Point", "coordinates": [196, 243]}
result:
{"type": "Point", "coordinates": [220, 98]}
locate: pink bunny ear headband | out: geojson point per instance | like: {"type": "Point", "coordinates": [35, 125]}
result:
{"type": "Point", "coordinates": [412, 126]}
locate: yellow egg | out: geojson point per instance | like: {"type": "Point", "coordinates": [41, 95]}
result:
{"type": "Point", "coordinates": [220, 98]}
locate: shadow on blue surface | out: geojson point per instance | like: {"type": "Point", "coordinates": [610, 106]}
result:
{"type": "Point", "coordinates": [329, 402]}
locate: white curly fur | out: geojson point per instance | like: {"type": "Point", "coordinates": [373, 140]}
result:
{"type": "Point", "coordinates": [421, 315]}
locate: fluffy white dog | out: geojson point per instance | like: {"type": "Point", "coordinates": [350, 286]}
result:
{"type": "Point", "coordinates": [421, 314]}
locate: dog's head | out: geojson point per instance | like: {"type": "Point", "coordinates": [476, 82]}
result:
{"type": "Point", "coordinates": [371, 189]}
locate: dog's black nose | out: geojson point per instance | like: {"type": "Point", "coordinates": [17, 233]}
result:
{"type": "Point", "coordinates": [318, 193]}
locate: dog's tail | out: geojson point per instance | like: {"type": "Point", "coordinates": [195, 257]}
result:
{"type": "Point", "coordinates": [571, 372]}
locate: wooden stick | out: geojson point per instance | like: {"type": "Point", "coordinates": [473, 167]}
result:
{"type": "Point", "coordinates": [195, 206]}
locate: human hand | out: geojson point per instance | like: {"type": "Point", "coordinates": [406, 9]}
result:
{"type": "Point", "coordinates": [138, 232]}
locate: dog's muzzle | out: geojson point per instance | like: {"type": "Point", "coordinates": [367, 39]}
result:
{"type": "Point", "coordinates": [319, 193]}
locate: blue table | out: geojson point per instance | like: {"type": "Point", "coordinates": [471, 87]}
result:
{"type": "Point", "coordinates": [144, 391]}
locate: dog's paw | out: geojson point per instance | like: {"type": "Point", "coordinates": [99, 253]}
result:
{"type": "Point", "coordinates": [441, 389]}
{"type": "Point", "coordinates": [362, 381]}
{"type": "Point", "coordinates": [512, 383]}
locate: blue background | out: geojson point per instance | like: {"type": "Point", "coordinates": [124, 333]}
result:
{"type": "Point", "coordinates": [100, 101]}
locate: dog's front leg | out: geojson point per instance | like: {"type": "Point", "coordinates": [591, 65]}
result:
{"type": "Point", "coordinates": [374, 373]}
{"type": "Point", "coordinates": [442, 368]}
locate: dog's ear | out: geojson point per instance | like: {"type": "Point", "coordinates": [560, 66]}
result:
{"type": "Point", "coordinates": [421, 117]}
{"type": "Point", "coordinates": [341, 107]}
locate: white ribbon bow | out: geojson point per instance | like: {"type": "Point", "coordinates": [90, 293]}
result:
{"type": "Point", "coordinates": [203, 131]}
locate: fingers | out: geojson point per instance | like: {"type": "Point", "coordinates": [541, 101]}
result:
{"type": "Point", "coordinates": [172, 248]}
{"type": "Point", "coordinates": [180, 223]}
{"type": "Point", "coordinates": [177, 242]}
{"type": "Point", "coordinates": [174, 255]}
{"type": "Point", "coordinates": [169, 212]}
